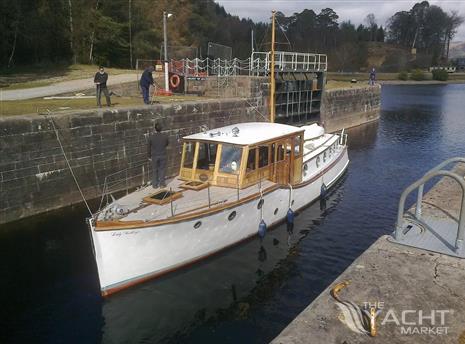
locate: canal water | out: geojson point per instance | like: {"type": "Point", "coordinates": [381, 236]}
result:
{"type": "Point", "coordinates": [49, 288]}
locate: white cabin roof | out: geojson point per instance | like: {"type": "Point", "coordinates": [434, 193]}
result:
{"type": "Point", "coordinates": [249, 133]}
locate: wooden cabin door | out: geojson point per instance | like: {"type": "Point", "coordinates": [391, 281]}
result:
{"type": "Point", "coordinates": [282, 165]}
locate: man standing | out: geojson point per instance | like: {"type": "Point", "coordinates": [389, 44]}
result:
{"type": "Point", "coordinates": [372, 77]}
{"type": "Point", "coordinates": [146, 80]}
{"type": "Point", "coordinates": [100, 80]}
{"type": "Point", "coordinates": [156, 152]}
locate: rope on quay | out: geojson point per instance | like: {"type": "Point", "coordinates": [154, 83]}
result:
{"type": "Point", "coordinates": [67, 162]}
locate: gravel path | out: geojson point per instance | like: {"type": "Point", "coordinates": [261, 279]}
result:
{"type": "Point", "coordinates": [62, 87]}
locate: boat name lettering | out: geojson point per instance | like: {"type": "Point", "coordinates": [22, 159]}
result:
{"type": "Point", "coordinates": [118, 234]}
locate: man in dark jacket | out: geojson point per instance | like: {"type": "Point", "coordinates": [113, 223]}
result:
{"type": "Point", "coordinates": [146, 80]}
{"type": "Point", "coordinates": [100, 80]}
{"type": "Point", "coordinates": [156, 151]}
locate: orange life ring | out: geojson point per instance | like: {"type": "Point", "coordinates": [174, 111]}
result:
{"type": "Point", "coordinates": [175, 80]}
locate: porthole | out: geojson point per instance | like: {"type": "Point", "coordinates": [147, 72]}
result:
{"type": "Point", "coordinates": [232, 216]}
{"type": "Point", "coordinates": [276, 211]}
{"type": "Point", "coordinates": [318, 161]}
{"type": "Point", "coordinates": [324, 157]}
{"type": "Point", "coordinates": [260, 204]}
{"type": "Point", "coordinates": [197, 224]}
{"type": "Point", "coordinates": [305, 170]}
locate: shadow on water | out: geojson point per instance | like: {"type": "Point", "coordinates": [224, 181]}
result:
{"type": "Point", "coordinates": [249, 293]}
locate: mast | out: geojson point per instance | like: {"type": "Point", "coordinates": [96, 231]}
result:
{"type": "Point", "coordinates": [272, 81]}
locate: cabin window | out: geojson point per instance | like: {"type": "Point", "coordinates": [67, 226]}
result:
{"type": "Point", "coordinates": [318, 161]}
{"type": "Point", "coordinates": [189, 148]}
{"type": "Point", "coordinates": [297, 141]}
{"type": "Point", "coordinates": [324, 156]}
{"type": "Point", "coordinates": [230, 159]}
{"type": "Point", "coordinates": [251, 160]}
{"type": "Point", "coordinates": [263, 156]}
{"type": "Point", "coordinates": [207, 156]}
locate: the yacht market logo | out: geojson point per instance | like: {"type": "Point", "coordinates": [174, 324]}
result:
{"type": "Point", "coordinates": [366, 317]}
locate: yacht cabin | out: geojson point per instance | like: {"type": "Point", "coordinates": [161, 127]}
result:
{"type": "Point", "coordinates": [241, 155]}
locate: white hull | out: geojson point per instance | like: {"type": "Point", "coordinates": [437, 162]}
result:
{"type": "Point", "coordinates": [128, 256]}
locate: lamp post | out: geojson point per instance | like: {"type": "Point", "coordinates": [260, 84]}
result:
{"type": "Point", "coordinates": [166, 15]}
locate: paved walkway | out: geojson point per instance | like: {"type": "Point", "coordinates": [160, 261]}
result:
{"type": "Point", "coordinates": [420, 294]}
{"type": "Point", "coordinates": [62, 87]}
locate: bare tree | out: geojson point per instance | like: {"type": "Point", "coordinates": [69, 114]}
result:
{"type": "Point", "coordinates": [371, 23]}
{"type": "Point", "coordinates": [13, 49]}
{"type": "Point", "coordinates": [130, 34]}
{"type": "Point", "coordinates": [71, 30]}
{"type": "Point", "coordinates": [454, 20]}
{"type": "Point", "coordinates": [92, 37]}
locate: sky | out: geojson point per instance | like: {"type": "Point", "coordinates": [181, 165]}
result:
{"type": "Point", "coordinates": [353, 10]}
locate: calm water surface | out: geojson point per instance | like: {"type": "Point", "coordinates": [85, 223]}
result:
{"type": "Point", "coordinates": [49, 288]}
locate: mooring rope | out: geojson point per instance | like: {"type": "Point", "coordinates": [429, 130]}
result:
{"type": "Point", "coordinates": [256, 109]}
{"type": "Point", "coordinates": [69, 166]}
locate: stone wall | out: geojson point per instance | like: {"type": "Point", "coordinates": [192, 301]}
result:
{"type": "Point", "coordinates": [34, 177]}
{"type": "Point", "coordinates": [229, 86]}
{"type": "Point", "coordinates": [345, 108]}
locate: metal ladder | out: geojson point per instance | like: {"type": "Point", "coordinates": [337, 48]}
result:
{"type": "Point", "coordinates": [437, 234]}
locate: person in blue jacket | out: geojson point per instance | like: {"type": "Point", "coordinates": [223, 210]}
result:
{"type": "Point", "coordinates": [146, 80]}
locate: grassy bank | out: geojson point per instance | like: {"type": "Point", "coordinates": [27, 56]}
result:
{"type": "Point", "coordinates": [28, 77]}
{"type": "Point", "coordinates": [363, 77]}
{"type": "Point", "coordinates": [39, 105]}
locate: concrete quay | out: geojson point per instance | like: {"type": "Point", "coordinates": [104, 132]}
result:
{"type": "Point", "coordinates": [419, 294]}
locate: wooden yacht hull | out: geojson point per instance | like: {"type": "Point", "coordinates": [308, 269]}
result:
{"type": "Point", "coordinates": [126, 257]}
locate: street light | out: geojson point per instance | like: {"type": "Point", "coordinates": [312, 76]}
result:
{"type": "Point", "coordinates": [165, 47]}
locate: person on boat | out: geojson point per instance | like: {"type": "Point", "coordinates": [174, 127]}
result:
{"type": "Point", "coordinates": [100, 81]}
{"type": "Point", "coordinates": [156, 152]}
{"type": "Point", "coordinates": [146, 80]}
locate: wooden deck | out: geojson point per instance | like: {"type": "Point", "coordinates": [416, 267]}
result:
{"type": "Point", "coordinates": [191, 201]}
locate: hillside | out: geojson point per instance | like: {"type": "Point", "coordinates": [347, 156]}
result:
{"type": "Point", "coordinates": [387, 57]}
{"type": "Point", "coordinates": [457, 49]}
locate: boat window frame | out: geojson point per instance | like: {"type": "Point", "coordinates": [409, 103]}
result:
{"type": "Point", "coordinates": [236, 172]}
{"type": "Point", "coordinates": [184, 151]}
{"type": "Point", "coordinates": [198, 143]}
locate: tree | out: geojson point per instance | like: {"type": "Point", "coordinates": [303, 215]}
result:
{"type": "Point", "coordinates": [453, 22]}
{"type": "Point", "coordinates": [372, 26]}
{"type": "Point", "coordinates": [380, 34]}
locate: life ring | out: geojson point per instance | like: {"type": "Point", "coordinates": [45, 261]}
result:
{"type": "Point", "coordinates": [175, 80]}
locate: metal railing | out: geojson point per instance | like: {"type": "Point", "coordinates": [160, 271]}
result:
{"type": "Point", "coordinates": [123, 180]}
{"type": "Point", "coordinates": [208, 67]}
{"type": "Point", "coordinates": [260, 62]}
{"type": "Point", "coordinates": [419, 184]}
{"type": "Point", "coordinates": [343, 137]}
